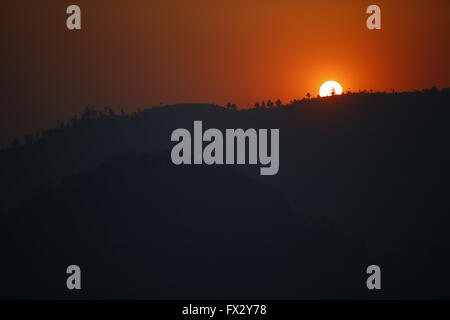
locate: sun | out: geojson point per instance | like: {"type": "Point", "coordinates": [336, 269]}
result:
{"type": "Point", "coordinates": [330, 88]}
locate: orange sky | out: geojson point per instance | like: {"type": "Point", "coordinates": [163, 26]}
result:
{"type": "Point", "coordinates": [134, 54]}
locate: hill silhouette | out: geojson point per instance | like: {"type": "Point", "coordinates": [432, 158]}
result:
{"type": "Point", "coordinates": [142, 228]}
{"type": "Point", "coordinates": [363, 180]}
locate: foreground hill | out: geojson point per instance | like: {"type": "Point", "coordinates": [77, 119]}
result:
{"type": "Point", "coordinates": [141, 228]}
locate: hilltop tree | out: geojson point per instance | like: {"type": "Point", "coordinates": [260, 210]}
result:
{"type": "Point", "coordinates": [74, 121]}
{"type": "Point", "coordinates": [270, 104]}
{"type": "Point", "coordinates": [263, 104]}
{"type": "Point", "coordinates": [28, 139]}
{"type": "Point", "coordinates": [278, 103]}
{"type": "Point", "coordinates": [89, 113]}
{"type": "Point", "coordinates": [308, 95]}
{"type": "Point", "coordinates": [109, 111]}
{"type": "Point", "coordinates": [15, 143]}
{"type": "Point", "coordinates": [257, 106]}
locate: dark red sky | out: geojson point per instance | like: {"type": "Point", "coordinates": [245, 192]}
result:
{"type": "Point", "coordinates": [134, 54]}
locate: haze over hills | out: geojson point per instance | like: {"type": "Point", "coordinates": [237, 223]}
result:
{"type": "Point", "coordinates": [363, 180]}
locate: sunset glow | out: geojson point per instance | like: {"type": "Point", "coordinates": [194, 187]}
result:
{"type": "Point", "coordinates": [136, 56]}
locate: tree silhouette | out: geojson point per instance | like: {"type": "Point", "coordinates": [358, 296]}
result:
{"type": "Point", "coordinates": [333, 91]}
{"type": "Point", "coordinates": [15, 143]}
{"type": "Point", "coordinates": [74, 121]}
{"type": "Point", "coordinates": [89, 113]}
{"type": "Point", "coordinates": [109, 111]}
{"type": "Point", "coordinates": [308, 95]}
{"type": "Point", "coordinates": [257, 106]}
{"type": "Point", "coordinates": [263, 104]}
{"type": "Point", "coordinates": [278, 103]}
{"type": "Point", "coordinates": [270, 104]}
{"type": "Point", "coordinates": [28, 139]}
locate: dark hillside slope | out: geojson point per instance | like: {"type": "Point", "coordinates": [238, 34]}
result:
{"type": "Point", "coordinates": [373, 168]}
{"type": "Point", "coordinates": [141, 228]}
